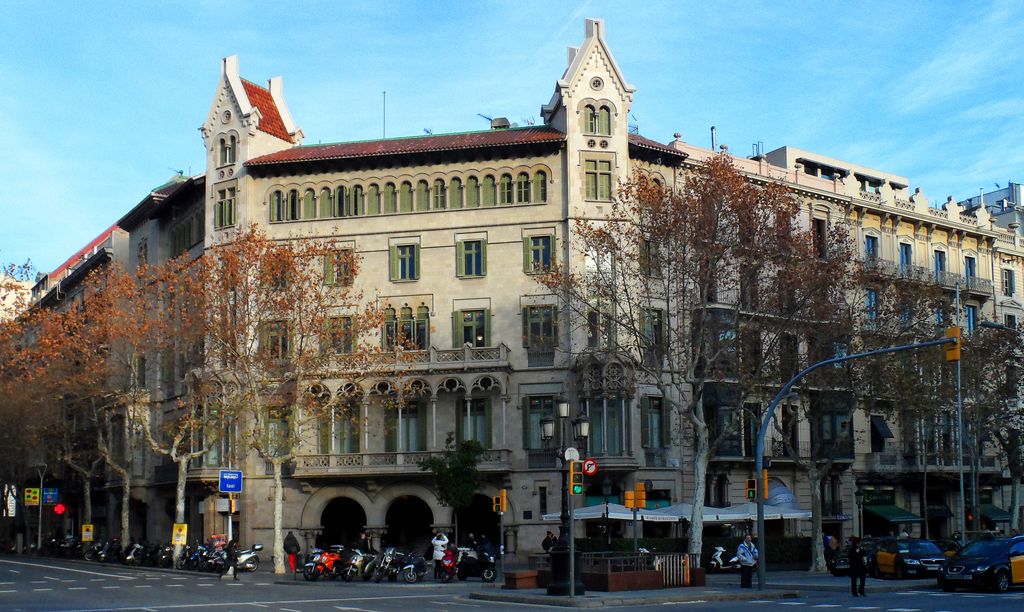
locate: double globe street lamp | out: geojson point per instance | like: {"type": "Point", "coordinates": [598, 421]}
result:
{"type": "Point", "coordinates": [560, 551]}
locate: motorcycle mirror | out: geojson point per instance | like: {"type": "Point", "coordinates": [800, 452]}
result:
{"type": "Point", "coordinates": [258, 547]}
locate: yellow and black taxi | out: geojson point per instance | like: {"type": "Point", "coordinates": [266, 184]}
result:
{"type": "Point", "coordinates": [903, 557]}
{"type": "Point", "coordinates": [995, 563]}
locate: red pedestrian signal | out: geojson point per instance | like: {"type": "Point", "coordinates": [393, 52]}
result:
{"type": "Point", "coordinates": [59, 509]}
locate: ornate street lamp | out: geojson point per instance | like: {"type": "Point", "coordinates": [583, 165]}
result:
{"type": "Point", "coordinates": [560, 551]}
{"type": "Point", "coordinates": [859, 496]}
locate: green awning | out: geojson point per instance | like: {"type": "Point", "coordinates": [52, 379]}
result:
{"type": "Point", "coordinates": [995, 513]}
{"type": "Point", "coordinates": [893, 514]}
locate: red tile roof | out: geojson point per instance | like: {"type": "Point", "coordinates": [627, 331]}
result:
{"type": "Point", "coordinates": [270, 117]}
{"type": "Point", "coordinates": [56, 274]}
{"type": "Point", "coordinates": [415, 144]}
{"type": "Point", "coordinates": [647, 143]}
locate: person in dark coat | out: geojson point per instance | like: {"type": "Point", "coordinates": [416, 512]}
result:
{"type": "Point", "coordinates": [549, 541]}
{"type": "Point", "coordinates": [231, 560]}
{"type": "Point", "coordinates": [291, 547]}
{"type": "Point", "coordinates": [858, 566]}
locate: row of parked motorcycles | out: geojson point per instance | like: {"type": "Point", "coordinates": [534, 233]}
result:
{"type": "Point", "coordinates": [351, 564]}
{"type": "Point", "coordinates": [201, 557]}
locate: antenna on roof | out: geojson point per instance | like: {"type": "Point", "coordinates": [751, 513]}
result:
{"type": "Point", "coordinates": [384, 121]}
{"type": "Point", "coordinates": [428, 131]}
{"type": "Point", "coordinates": [178, 172]}
{"type": "Point", "coordinates": [489, 119]}
{"type": "Point", "coordinates": [527, 120]}
{"type": "Point", "coordinates": [634, 128]}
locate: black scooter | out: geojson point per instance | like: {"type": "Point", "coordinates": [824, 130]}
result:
{"type": "Point", "coordinates": [475, 563]}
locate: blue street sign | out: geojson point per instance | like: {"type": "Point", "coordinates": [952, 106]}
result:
{"type": "Point", "coordinates": [231, 481]}
{"type": "Point", "coordinates": [50, 496]}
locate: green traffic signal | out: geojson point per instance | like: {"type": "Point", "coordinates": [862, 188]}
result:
{"type": "Point", "coordinates": [577, 489]}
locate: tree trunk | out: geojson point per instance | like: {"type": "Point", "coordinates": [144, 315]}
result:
{"type": "Point", "coordinates": [1015, 501]}
{"type": "Point", "coordinates": [126, 498]}
{"type": "Point", "coordinates": [278, 519]}
{"type": "Point", "coordinates": [814, 477]}
{"type": "Point", "coordinates": [86, 501]}
{"type": "Point", "coordinates": [700, 472]}
{"type": "Point", "coordinates": [179, 498]}
{"type": "Point", "coordinates": [924, 497]}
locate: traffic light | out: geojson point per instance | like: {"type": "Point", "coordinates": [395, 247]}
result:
{"type": "Point", "coordinates": [630, 501]}
{"type": "Point", "coordinates": [641, 496]}
{"type": "Point", "coordinates": [953, 348]}
{"type": "Point", "coordinates": [764, 483]}
{"type": "Point", "coordinates": [59, 509]}
{"type": "Point", "coordinates": [751, 488]}
{"type": "Point", "coordinates": [500, 502]}
{"type": "Point", "coordinates": [504, 500]}
{"type": "Point", "coordinates": [576, 478]}
{"type": "Point", "coordinates": [496, 503]}
{"type": "Point", "coordinates": [232, 504]}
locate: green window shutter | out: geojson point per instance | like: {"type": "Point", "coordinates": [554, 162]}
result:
{"type": "Point", "coordinates": [325, 203]}
{"type": "Point", "coordinates": [308, 205]}
{"type": "Point", "coordinates": [552, 247]}
{"type": "Point", "coordinates": [527, 256]}
{"type": "Point", "coordinates": [456, 329]}
{"type": "Point", "coordinates": [483, 258]}
{"type": "Point", "coordinates": [460, 258]}
{"type": "Point", "coordinates": [524, 404]}
{"type": "Point", "coordinates": [416, 262]}
{"type": "Point", "coordinates": [218, 216]}
{"type": "Point", "coordinates": [555, 341]}
{"type": "Point", "coordinates": [330, 273]}
{"type": "Point", "coordinates": [373, 200]}
{"type": "Point", "coordinates": [394, 262]}
{"type": "Point", "coordinates": [645, 422]}
{"type": "Point", "coordinates": [666, 425]}
{"type": "Point", "coordinates": [487, 327]}
{"type": "Point", "coordinates": [526, 327]}
{"type": "Point", "coordinates": [390, 430]}
{"type": "Point", "coordinates": [325, 433]}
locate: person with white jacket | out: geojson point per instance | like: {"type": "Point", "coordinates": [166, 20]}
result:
{"type": "Point", "coordinates": [440, 543]}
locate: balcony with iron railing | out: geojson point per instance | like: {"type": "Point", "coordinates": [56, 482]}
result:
{"type": "Point", "coordinates": [434, 359]}
{"type": "Point", "coordinates": [892, 269]}
{"type": "Point", "coordinates": [778, 450]}
{"type": "Point", "coordinates": [398, 463]}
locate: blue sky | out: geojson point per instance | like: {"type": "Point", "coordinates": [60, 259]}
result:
{"type": "Point", "coordinates": [101, 101]}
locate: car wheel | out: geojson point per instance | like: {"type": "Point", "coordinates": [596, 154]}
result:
{"type": "Point", "coordinates": [1001, 582]}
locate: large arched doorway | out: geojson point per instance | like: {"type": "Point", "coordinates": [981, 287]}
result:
{"type": "Point", "coordinates": [342, 520]}
{"type": "Point", "coordinates": [479, 519]}
{"type": "Point", "coordinates": [408, 519]}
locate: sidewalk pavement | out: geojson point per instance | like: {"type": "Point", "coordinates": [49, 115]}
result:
{"type": "Point", "coordinates": [720, 587]}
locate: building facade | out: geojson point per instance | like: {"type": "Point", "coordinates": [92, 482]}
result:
{"type": "Point", "coordinates": [452, 231]}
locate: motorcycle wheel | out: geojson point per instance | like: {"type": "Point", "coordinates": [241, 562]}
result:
{"type": "Point", "coordinates": [310, 574]}
{"type": "Point", "coordinates": [410, 575]}
{"type": "Point", "coordinates": [446, 577]}
{"type": "Point", "coordinates": [347, 576]}
{"type": "Point", "coordinates": [488, 574]}
{"type": "Point", "coordinates": [253, 564]}
{"type": "Point", "coordinates": [378, 575]}
{"type": "Point", "coordinates": [90, 556]}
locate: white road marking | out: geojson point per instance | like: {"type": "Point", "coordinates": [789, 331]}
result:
{"type": "Point", "coordinates": [38, 582]}
{"type": "Point", "coordinates": [11, 591]}
{"type": "Point", "coordinates": [14, 571]}
{"type": "Point", "coordinates": [42, 589]}
{"type": "Point", "coordinates": [236, 604]}
{"type": "Point", "coordinates": [6, 583]}
{"type": "Point", "coordinates": [289, 610]}
{"type": "Point", "coordinates": [904, 609]}
{"type": "Point", "coordinates": [111, 587]}
{"type": "Point", "coordinates": [761, 601]}
{"type": "Point", "coordinates": [97, 579]}
{"type": "Point", "coordinates": [65, 569]}
{"type": "Point", "coordinates": [826, 606]}
{"type": "Point", "coordinates": [175, 585]}
{"type": "Point", "coordinates": [204, 584]}
{"type": "Point", "coordinates": [143, 586]}
{"type": "Point", "coordinates": [792, 603]}
{"type": "Point", "coordinates": [863, 607]}
{"type": "Point", "coordinates": [178, 578]}
{"type": "Point", "coordinates": [973, 596]}
{"type": "Point", "coordinates": [77, 588]}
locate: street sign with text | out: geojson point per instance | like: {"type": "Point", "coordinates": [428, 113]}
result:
{"type": "Point", "coordinates": [51, 496]}
{"type": "Point", "coordinates": [231, 481]}
{"type": "Point", "coordinates": [31, 496]}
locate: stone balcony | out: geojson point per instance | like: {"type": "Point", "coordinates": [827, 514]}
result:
{"type": "Point", "coordinates": [973, 284]}
{"type": "Point", "coordinates": [384, 464]}
{"type": "Point", "coordinates": [440, 360]}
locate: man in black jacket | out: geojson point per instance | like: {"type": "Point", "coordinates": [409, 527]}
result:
{"type": "Point", "coordinates": [858, 566]}
{"type": "Point", "coordinates": [291, 548]}
{"type": "Point", "coordinates": [231, 560]}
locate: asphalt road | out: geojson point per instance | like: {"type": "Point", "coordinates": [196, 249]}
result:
{"type": "Point", "coordinates": [38, 584]}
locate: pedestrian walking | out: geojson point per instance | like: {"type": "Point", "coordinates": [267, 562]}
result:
{"type": "Point", "coordinates": [747, 555]}
{"type": "Point", "coordinates": [858, 567]}
{"type": "Point", "coordinates": [440, 543]}
{"type": "Point", "coordinates": [230, 560]}
{"type": "Point", "coordinates": [291, 547]}
{"type": "Point", "coordinates": [548, 542]}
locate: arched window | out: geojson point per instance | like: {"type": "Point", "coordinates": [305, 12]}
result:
{"type": "Point", "coordinates": [590, 119]}
{"type": "Point", "coordinates": [276, 206]}
{"type": "Point", "coordinates": [339, 204]}
{"type": "Point", "coordinates": [373, 200]}
{"type": "Point", "coordinates": [309, 204]}
{"type": "Point", "coordinates": [358, 205]}
{"type": "Point", "coordinates": [422, 196]}
{"type": "Point", "coordinates": [472, 193]}
{"type": "Point", "coordinates": [487, 195]}
{"type": "Point", "coordinates": [390, 328]}
{"type": "Point", "coordinates": [228, 145]}
{"type": "Point", "coordinates": [455, 193]}
{"type": "Point", "coordinates": [389, 200]}
{"type": "Point", "coordinates": [326, 201]}
{"type": "Point", "coordinates": [507, 191]}
{"type": "Point", "coordinates": [523, 188]}
{"type": "Point", "coordinates": [440, 197]}
{"type": "Point", "coordinates": [422, 327]}
{"type": "Point", "coordinates": [540, 186]}
{"type": "Point", "coordinates": [405, 197]}
{"type": "Point", "coordinates": [604, 121]}
{"type": "Point", "coordinates": [291, 212]}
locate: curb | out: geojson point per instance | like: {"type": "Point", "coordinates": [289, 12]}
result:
{"type": "Point", "coordinates": [844, 588]}
{"type": "Point", "coordinates": [145, 568]}
{"type": "Point", "coordinates": [610, 600]}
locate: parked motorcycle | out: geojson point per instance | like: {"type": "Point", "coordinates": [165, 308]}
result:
{"type": "Point", "coordinates": [248, 560]}
{"type": "Point", "coordinates": [716, 564]}
{"type": "Point", "coordinates": [134, 553]}
{"type": "Point", "coordinates": [322, 563]}
{"type": "Point", "coordinates": [475, 563]}
{"type": "Point", "coordinates": [413, 567]}
{"type": "Point", "coordinates": [448, 564]}
{"type": "Point", "coordinates": [360, 565]}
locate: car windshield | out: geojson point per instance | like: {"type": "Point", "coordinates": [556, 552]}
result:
{"type": "Point", "coordinates": [983, 548]}
{"type": "Point", "coordinates": [919, 548]}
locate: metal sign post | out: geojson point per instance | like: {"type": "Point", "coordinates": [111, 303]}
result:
{"type": "Point", "coordinates": [572, 551]}
{"type": "Point", "coordinates": [501, 547]}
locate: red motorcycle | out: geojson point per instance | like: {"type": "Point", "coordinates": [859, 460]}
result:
{"type": "Point", "coordinates": [323, 563]}
{"type": "Point", "coordinates": [448, 564]}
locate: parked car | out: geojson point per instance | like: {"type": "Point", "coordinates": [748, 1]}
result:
{"type": "Point", "coordinates": [903, 557]}
{"type": "Point", "coordinates": [995, 563]}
